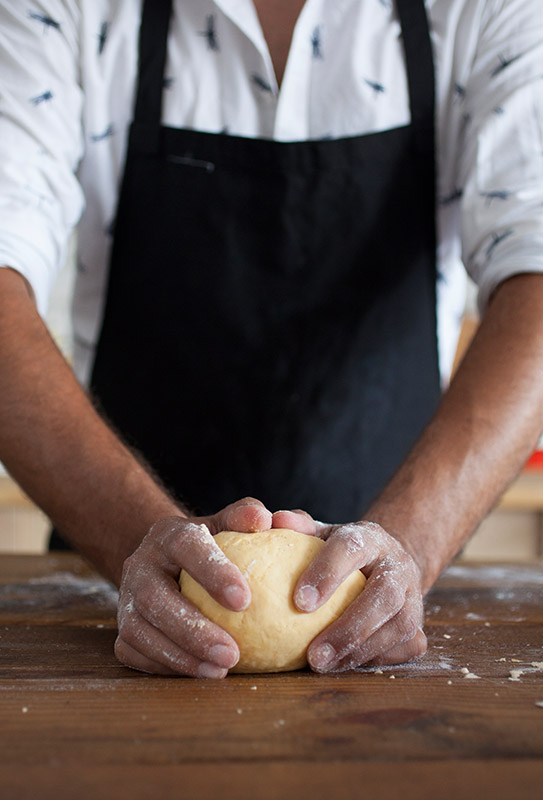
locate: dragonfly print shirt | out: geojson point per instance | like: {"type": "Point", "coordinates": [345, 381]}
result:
{"type": "Point", "coordinates": [67, 83]}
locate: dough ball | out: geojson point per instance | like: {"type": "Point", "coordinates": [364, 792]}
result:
{"type": "Point", "coordinates": [271, 633]}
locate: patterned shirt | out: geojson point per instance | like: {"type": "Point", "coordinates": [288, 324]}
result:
{"type": "Point", "coordinates": [67, 84]}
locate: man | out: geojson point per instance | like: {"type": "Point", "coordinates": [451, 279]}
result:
{"type": "Point", "coordinates": [270, 324]}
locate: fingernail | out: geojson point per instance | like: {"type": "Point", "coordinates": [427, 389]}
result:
{"type": "Point", "coordinates": [321, 656]}
{"type": "Point", "coordinates": [307, 598]}
{"type": "Point", "coordinates": [222, 655]}
{"type": "Point", "coordinates": [236, 597]}
{"type": "Point", "coordinates": [206, 670]}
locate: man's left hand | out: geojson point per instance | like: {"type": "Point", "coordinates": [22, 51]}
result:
{"type": "Point", "coordinates": [384, 624]}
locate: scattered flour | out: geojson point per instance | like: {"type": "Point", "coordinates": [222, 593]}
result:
{"type": "Point", "coordinates": [470, 675]}
{"type": "Point", "coordinates": [503, 574]}
{"type": "Point", "coordinates": [515, 674]}
{"type": "Point", "coordinates": [217, 557]}
{"type": "Point", "coordinates": [67, 581]}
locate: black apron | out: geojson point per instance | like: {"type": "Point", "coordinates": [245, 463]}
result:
{"type": "Point", "coordinates": [270, 325]}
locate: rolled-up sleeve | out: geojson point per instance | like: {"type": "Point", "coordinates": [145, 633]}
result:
{"type": "Point", "coordinates": [41, 138]}
{"type": "Point", "coordinates": [502, 158]}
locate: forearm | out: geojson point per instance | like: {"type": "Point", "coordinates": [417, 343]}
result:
{"type": "Point", "coordinates": [485, 428]}
{"type": "Point", "coordinates": [59, 449]}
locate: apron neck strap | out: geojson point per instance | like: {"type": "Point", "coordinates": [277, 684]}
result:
{"type": "Point", "coordinates": [152, 49]}
{"type": "Point", "coordinates": [420, 70]}
{"type": "Point", "coordinates": [153, 43]}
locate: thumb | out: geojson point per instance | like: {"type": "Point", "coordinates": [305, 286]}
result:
{"type": "Point", "coordinates": [246, 516]}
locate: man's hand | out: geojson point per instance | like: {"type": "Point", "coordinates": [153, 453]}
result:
{"type": "Point", "coordinates": [384, 624]}
{"type": "Point", "coordinates": [486, 426]}
{"type": "Point", "coordinates": [159, 630]}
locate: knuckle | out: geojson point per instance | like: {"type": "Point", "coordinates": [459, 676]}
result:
{"type": "Point", "coordinates": [373, 536]}
{"type": "Point", "coordinates": [395, 595]}
{"type": "Point", "coordinates": [144, 596]}
{"type": "Point", "coordinates": [413, 571]}
{"type": "Point", "coordinates": [177, 538]}
{"type": "Point", "coordinates": [175, 546]}
{"type": "Point", "coordinates": [128, 630]}
{"type": "Point", "coordinates": [191, 534]}
{"type": "Point", "coordinates": [416, 646]}
{"type": "Point", "coordinates": [162, 537]}
{"type": "Point", "coordinates": [407, 626]}
{"type": "Point", "coordinates": [420, 643]}
{"type": "Point", "coordinates": [128, 568]}
{"type": "Point", "coordinates": [151, 600]}
{"type": "Point", "coordinates": [373, 528]}
{"type": "Point", "coordinates": [351, 537]}
{"type": "Point", "coordinates": [165, 526]}
{"type": "Point", "coordinates": [126, 606]}
{"type": "Point", "coordinates": [119, 650]}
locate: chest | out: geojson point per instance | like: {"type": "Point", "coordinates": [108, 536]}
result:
{"type": "Point", "coordinates": [278, 19]}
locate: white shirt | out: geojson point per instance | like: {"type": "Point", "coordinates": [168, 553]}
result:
{"type": "Point", "coordinates": [67, 81]}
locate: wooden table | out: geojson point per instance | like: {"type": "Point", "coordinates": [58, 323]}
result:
{"type": "Point", "coordinates": [76, 724]}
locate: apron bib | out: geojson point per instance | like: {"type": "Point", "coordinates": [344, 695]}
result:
{"type": "Point", "coordinates": [270, 324]}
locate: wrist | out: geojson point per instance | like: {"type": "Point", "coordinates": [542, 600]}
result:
{"type": "Point", "coordinates": [417, 539]}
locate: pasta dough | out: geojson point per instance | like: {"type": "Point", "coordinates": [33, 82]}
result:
{"type": "Point", "coordinates": [271, 633]}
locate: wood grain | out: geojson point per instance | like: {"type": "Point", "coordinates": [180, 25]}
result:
{"type": "Point", "coordinates": [75, 723]}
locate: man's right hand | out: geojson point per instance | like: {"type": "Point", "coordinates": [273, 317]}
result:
{"type": "Point", "coordinates": [159, 630]}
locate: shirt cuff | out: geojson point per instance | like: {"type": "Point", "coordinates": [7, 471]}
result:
{"type": "Point", "coordinates": [28, 246]}
{"type": "Point", "coordinates": [527, 260]}
{"type": "Point", "coordinates": [24, 257]}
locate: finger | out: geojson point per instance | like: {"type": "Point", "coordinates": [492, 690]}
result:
{"type": "Point", "coordinates": [246, 516]}
{"type": "Point", "coordinates": [346, 550]}
{"type": "Point", "coordinates": [415, 647]}
{"type": "Point", "coordinates": [296, 520]}
{"type": "Point", "coordinates": [135, 660]}
{"type": "Point", "coordinates": [396, 635]}
{"type": "Point", "coordinates": [194, 548]}
{"type": "Point", "coordinates": [350, 642]}
{"type": "Point", "coordinates": [162, 605]}
{"type": "Point", "coordinates": [141, 645]}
